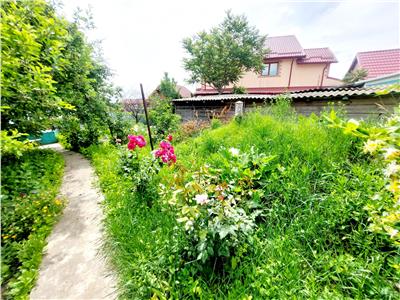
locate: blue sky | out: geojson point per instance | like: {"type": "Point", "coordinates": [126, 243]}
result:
{"type": "Point", "coordinates": [143, 39]}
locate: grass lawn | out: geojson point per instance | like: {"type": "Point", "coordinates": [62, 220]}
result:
{"type": "Point", "coordinates": [312, 240]}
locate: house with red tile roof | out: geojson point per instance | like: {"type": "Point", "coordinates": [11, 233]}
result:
{"type": "Point", "coordinates": [383, 66]}
{"type": "Point", "coordinates": [377, 63]}
{"type": "Point", "coordinates": [287, 67]}
{"type": "Point", "coordinates": [183, 91]}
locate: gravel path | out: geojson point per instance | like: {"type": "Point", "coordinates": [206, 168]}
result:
{"type": "Point", "coordinates": [73, 266]}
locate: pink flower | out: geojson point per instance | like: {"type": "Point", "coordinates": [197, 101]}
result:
{"type": "Point", "coordinates": [169, 138]}
{"type": "Point", "coordinates": [140, 141]}
{"type": "Point", "coordinates": [131, 145]}
{"type": "Point", "coordinates": [136, 140]}
{"type": "Point", "coordinates": [166, 153]}
{"type": "Point", "coordinates": [202, 199]}
{"type": "Point", "coordinates": [165, 145]}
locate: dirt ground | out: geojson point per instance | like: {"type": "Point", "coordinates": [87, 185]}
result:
{"type": "Point", "coordinates": [73, 266]}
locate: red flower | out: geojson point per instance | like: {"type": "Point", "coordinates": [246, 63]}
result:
{"type": "Point", "coordinates": [169, 138]}
{"type": "Point", "coordinates": [166, 152]}
{"type": "Point", "coordinates": [136, 140]}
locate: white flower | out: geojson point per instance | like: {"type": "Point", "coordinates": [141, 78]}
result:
{"type": "Point", "coordinates": [353, 122]}
{"type": "Point", "coordinates": [202, 199]}
{"type": "Point", "coordinates": [391, 153]}
{"type": "Point", "coordinates": [189, 225]}
{"type": "Point", "coordinates": [234, 151]}
{"type": "Point", "coordinates": [393, 232]}
{"type": "Point", "coordinates": [391, 169]}
{"type": "Point", "coordinates": [372, 145]}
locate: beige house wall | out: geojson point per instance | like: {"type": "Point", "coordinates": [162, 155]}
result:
{"type": "Point", "coordinates": [255, 80]}
{"type": "Point", "coordinates": [303, 75]}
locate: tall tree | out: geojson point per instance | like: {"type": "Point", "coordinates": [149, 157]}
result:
{"type": "Point", "coordinates": [50, 70]}
{"type": "Point", "coordinates": [168, 87]}
{"type": "Point", "coordinates": [32, 41]}
{"type": "Point", "coordinates": [221, 56]}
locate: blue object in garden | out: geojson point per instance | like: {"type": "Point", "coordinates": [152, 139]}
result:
{"type": "Point", "coordinates": [48, 137]}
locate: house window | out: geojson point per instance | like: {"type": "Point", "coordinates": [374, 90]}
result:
{"type": "Point", "coordinates": [270, 69]}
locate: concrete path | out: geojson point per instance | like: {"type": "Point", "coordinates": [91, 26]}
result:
{"type": "Point", "coordinates": [74, 266]}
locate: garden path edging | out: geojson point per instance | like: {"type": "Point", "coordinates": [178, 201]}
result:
{"type": "Point", "coordinates": [74, 266]}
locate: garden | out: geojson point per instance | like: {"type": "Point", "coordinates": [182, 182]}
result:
{"type": "Point", "coordinates": [268, 205]}
{"type": "Point", "coordinates": [287, 206]}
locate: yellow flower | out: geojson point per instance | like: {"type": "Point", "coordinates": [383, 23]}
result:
{"type": "Point", "coordinates": [393, 186]}
{"type": "Point", "coordinates": [371, 146]}
{"type": "Point", "coordinates": [391, 153]}
{"type": "Point", "coordinates": [57, 202]}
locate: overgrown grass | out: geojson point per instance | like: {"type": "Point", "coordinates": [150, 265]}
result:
{"type": "Point", "coordinates": [313, 241]}
{"type": "Point", "coordinates": [29, 208]}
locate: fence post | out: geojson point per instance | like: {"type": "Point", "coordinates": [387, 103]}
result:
{"type": "Point", "coordinates": [238, 108]}
{"type": "Point", "coordinates": [147, 117]}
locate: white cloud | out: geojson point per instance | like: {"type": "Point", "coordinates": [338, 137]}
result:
{"type": "Point", "coordinates": [143, 39]}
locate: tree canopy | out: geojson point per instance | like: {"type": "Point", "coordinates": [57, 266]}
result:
{"type": "Point", "coordinates": [168, 88]}
{"type": "Point", "coordinates": [51, 75]}
{"type": "Point", "coordinates": [221, 56]}
{"type": "Point", "coordinates": [355, 76]}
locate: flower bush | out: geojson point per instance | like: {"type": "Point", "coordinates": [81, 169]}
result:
{"type": "Point", "coordinates": [136, 140]}
{"type": "Point", "coordinates": [143, 169]}
{"type": "Point", "coordinates": [218, 207]}
{"type": "Point", "coordinates": [166, 152]}
{"type": "Point", "coordinates": [383, 143]}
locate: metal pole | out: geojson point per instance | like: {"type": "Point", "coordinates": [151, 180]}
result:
{"type": "Point", "coordinates": [147, 117]}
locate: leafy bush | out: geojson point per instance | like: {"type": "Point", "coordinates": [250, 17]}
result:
{"type": "Point", "coordinates": [239, 90]}
{"type": "Point", "coordinates": [12, 146]}
{"type": "Point", "coordinates": [218, 204]}
{"type": "Point", "coordinates": [28, 211]}
{"type": "Point", "coordinates": [162, 117]}
{"type": "Point", "coordinates": [384, 143]}
{"type": "Point", "coordinates": [119, 125]}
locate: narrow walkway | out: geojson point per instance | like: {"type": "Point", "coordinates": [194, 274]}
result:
{"type": "Point", "coordinates": [74, 266]}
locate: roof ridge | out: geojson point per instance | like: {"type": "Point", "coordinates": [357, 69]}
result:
{"type": "Point", "coordinates": [316, 48]}
{"type": "Point", "coordinates": [383, 50]}
{"type": "Point", "coordinates": [278, 36]}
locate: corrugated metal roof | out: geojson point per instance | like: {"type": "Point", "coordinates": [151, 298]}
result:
{"type": "Point", "coordinates": [307, 94]}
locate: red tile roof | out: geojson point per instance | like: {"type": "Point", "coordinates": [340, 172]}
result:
{"type": "Point", "coordinates": [317, 55]}
{"type": "Point", "coordinates": [288, 46]}
{"type": "Point", "coordinates": [283, 46]}
{"type": "Point", "coordinates": [378, 63]}
{"type": "Point", "coordinates": [184, 92]}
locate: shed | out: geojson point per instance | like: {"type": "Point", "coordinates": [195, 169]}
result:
{"type": "Point", "coordinates": [359, 102]}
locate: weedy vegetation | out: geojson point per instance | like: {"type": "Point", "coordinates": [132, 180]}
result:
{"type": "Point", "coordinates": [272, 205]}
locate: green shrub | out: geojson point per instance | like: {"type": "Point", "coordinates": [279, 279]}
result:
{"type": "Point", "coordinates": [239, 90]}
{"type": "Point", "coordinates": [162, 118]}
{"type": "Point", "coordinates": [13, 144]}
{"type": "Point", "coordinates": [216, 123]}
{"type": "Point", "coordinates": [77, 135]}
{"type": "Point", "coordinates": [217, 206]}
{"type": "Point", "coordinates": [119, 125]}
{"type": "Point", "coordinates": [28, 211]}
